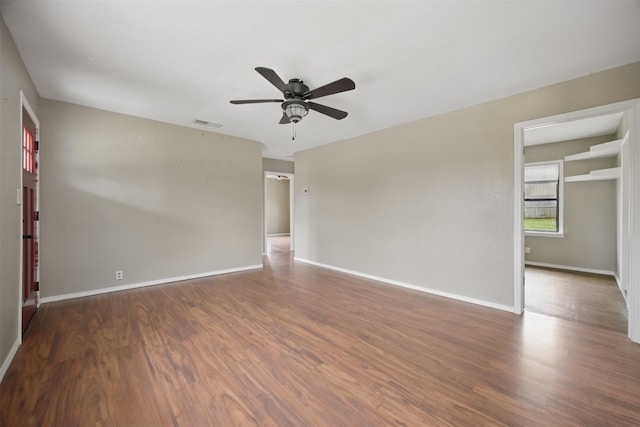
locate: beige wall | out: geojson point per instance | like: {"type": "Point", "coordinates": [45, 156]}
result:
{"type": "Point", "coordinates": [13, 78]}
{"type": "Point", "coordinates": [275, 165]}
{"type": "Point", "coordinates": [430, 203]}
{"type": "Point", "coordinates": [152, 199]}
{"type": "Point", "coordinates": [589, 211]}
{"type": "Point", "coordinates": [277, 206]}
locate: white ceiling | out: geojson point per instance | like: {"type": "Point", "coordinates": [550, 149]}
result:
{"type": "Point", "coordinates": [175, 61]}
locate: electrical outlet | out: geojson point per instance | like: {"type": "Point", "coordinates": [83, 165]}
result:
{"type": "Point", "coordinates": [119, 275]}
{"type": "Point", "coordinates": [527, 250]}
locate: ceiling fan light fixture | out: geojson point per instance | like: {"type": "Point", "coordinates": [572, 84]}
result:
{"type": "Point", "coordinates": [295, 110]}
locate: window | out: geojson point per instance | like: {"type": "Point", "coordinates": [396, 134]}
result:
{"type": "Point", "coordinates": [543, 198]}
{"type": "Point", "coordinates": [28, 150]}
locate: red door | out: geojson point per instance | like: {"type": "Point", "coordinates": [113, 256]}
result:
{"type": "Point", "coordinates": [29, 217]}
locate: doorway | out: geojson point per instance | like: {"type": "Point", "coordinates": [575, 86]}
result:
{"type": "Point", "coordinates": [571, 275]}
{"type": "Point", "coordinates": [628, 203]}
{"type": "Point", "coordinates": [278, 224]}
{"type": "Point", "coordinates": [30, 284]}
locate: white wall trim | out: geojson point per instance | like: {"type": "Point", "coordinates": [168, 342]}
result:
{"type": "Point", "coordinates": [145, 284]}
{"type": "Point", "coordinates": [518, 223]}
{"type": "Point", "coordinates": [410, 286]}
{"type": "Point", "coordinates": [622, 291]}
{"type": "Point", "coordinates": [278, 234]}
{"type": "Point", "coordinates": [9, 359]}
{"type": "Point", "coordinates": [632, 268]}
{"type": "Point", "coordinates": [571, 268]}
{"type": "Point", "coordinates": [552, 234]}
{"type": "Point", "coordinates": [24, 102]}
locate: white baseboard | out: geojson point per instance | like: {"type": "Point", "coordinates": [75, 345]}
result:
{"type": "Point", "coordinates": [9, 359]}
{"type": "Point", "coordinates": [622, 291]}
{"type": "Point", "coordinates": [410, 286]}
{"type": "Point", "coordinates": [144, 284]}
{"type": "Point", "coordinates": [278, 234]}
{"type": "Point", "coordinates": [571, 268]}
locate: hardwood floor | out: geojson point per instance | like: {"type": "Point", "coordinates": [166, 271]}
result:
{"type": "Point", "coordinates": [582, 297]}
{"type": "Point", "coordinates": [279, 244]}
{"type": "Point", "coordinates": [298, 345]}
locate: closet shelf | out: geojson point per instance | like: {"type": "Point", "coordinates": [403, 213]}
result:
{"type": "Point", "coordinates": [596, 175]}
{"type": "Point", "coordinates": [606, 149]}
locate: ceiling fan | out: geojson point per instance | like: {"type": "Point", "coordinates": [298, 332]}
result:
{"type": "Point", "coordinates": [296, 104]}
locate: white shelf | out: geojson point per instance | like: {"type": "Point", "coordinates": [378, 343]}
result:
{"type": "Point", "coordinates": [606, 149]}
{"type": "Point", "coordinates": [596, 175]}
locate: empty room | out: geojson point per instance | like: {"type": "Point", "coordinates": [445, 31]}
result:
{"type": "Point", "coordinates": [319, 213]}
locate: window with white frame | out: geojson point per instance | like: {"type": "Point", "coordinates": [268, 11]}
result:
{"type": "Point", "coordinates": [543, 188]}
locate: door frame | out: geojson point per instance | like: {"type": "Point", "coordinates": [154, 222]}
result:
{"type": "Point", "coordinates": [291, 209]}
{"type": "Point", "coordinates": [24, 105]}
{"type": "Point", "coordinates": [632, 243]}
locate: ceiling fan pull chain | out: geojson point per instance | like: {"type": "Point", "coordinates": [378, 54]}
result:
{"type": "Point", "coordinates": [294, 131]}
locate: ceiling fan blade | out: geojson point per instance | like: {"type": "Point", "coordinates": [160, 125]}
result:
{"type": "Point", "coordinates": [329, 111]}
{"type": "Point", "coordinates": [273, 78]}
{"type": "Point", "coordinates": [254, 101]}
{"type": "Point", "coordinates": [342, 85]}
{"type": "Point", "coordinates": [284, 120]}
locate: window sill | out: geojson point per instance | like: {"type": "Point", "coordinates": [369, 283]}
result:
{"type": "Point", "coordinates": [557, 235]}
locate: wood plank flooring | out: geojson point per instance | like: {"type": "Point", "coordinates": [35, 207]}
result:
{"type": "Point", "coordinates": [278, 244]}
{"type": "Point", "coordinates": [592, 299]}
{"type": "Point", "coordinates": [297, 345]}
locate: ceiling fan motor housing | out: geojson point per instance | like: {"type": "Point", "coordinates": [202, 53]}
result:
{"type": "Point", "coordinates": [296, 89]}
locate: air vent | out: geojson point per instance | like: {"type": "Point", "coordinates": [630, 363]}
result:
{"type": "Point", "coordinates": [206, 123]}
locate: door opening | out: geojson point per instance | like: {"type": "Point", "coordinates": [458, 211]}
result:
{"type": "Point", "coordinates": [30, 286]}
{"type": "Point", "coordinates": [628, 205]}
{"type": "Point", "coordinates": [278, 221]}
